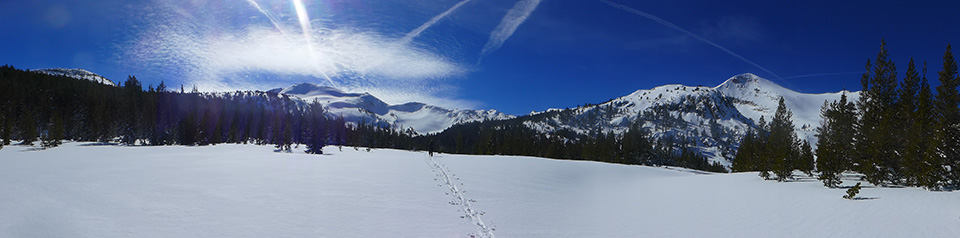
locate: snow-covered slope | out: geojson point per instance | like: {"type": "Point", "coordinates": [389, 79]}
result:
{"type": "Point", "coordinates": [83, 190]}
{"type": "Point", "coordinates": [756, 97]}
{"type": "Point", "coordinates": [709, 119]}
{"type": "Point", "coordinates": [698, 117]}
{"type": "Point", "coordinates": [358, 107]}
{"type": "Point", "coordinates": [77, 74]}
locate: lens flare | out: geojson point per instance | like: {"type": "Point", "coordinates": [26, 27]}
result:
{"type": "Point", "coordinates": [306, 28]}
{"type": "Point", "coordinates": [302, 16]}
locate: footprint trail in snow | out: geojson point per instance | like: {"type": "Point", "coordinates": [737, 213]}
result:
{"type": "Point", "coordinates": [448, 180]}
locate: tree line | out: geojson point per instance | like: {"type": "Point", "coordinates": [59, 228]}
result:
{"type": "Point", "coordinates": [39, 107]}
{"type": "Point", "coordinates": [634, 146]}
{"type": "Point", "coordinates": [898, 133]}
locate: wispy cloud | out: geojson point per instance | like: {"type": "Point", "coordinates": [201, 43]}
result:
{"type": "Point", "coordinates": [691, 34]}
{"type": "Point", "coordinates": [186, 43]}
{"type": "Point", "coordinates": [510, 22]}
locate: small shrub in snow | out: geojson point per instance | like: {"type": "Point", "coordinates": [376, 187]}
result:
{"type": "Point", "coordinates": [852, 192]}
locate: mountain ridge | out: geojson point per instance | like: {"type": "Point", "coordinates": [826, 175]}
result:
{"type": "Point", "coordinates": [365, 107]}
{"type": "Point", "coordinates": [712, 120]}
{"type": "Point", "coordinates": [76, 73]}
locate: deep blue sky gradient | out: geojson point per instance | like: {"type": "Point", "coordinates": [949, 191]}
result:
{"type": "Point", "coordinates": [567, 52]}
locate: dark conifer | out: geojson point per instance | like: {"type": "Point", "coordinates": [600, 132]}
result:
{"type": "Point", "coordinates": [948, 117]}
{"type": "Point", "coordinates": [852, 192]}
{"type": "Point", "coordinates": [835, 145]}
{"type": "Point", "coordinates": [877, 140]}
{"type": "Point", "coordinates": [782, 148]}
{"type": "Point", "coordinates": [805, 161]}
{"type": "Point", "coordinates": [924, 164]}
{"type": "Point", "coordinates": [744, 160]}
{"type": "Point", "coordinates": [28, 127]}
{"type": "Point", "coordinates": [7, 127]}
{"type": "Point", "coordinates": [55, 134]}
{"type": "Point", "coordinates": [316, 134]}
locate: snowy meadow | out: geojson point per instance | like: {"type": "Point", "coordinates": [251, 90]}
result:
{"type": "Point", "coordinates": [90, 190]}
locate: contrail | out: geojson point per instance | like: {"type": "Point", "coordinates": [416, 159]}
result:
{"type": "Point", "coordinates": [269, 16]}
{"type": "Point", "coordinates": [516, 16]}
{"type": "Point", "coordinates": [675, 27]}
{"type": "Point", "coordinates": [823, 74]}
{"type": "Point", "coordinates": [428, 24]}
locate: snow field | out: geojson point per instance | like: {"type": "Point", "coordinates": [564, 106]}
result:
{"type": "Point", "coordinates": [79, 190]}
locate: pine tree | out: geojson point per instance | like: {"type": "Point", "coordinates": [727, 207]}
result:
{"type": "Point", "coordinates": [28, 127]}
{"type": "Point", "coordinates": [782, 146]}
{"type": "Point", "coordinates": [131, 110]}
{"type": "Point", "coordinates": [55, 134]}
{"type": "Point", "coordinates": [805, 161]}
{"type": "Point", "coordinates": [761, 156]}
{"type": "Point", "coordinates": [835, 147]}
{"type": "Point", "coordinates": [7, 128]}
{"type": "Point", "coordinates": [906, 117]}
{"type": "Point", "coordinates": [316, 135]}
{"type": "Point", "coordinates": [948, 117]}
{"type": "Point", "coordinates": [876, 138]}
{"type": "Point", "coordinates": [286, 138]}
{"type": "Point", "coordinates": [3, 128]}
{"type": "Point", "coordinates": [827, 161]}
{"type": "Point", "coordinates": [925, 167]}
{"type": "Point", "coordinates": [744, 159]}
{"type": "Point", "coordinates": [852, 191]}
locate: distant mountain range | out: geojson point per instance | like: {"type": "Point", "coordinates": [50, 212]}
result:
{"type": "Point", "coordinates": [364, 107]}
{"type": "Point", "coordinates": [712, 120]}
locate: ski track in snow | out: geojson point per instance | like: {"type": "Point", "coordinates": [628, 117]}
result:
{"type": "Point", "coordinates": [459, 199]}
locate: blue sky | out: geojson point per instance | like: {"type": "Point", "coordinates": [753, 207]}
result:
{"type": "Point", "coordinates": [551, 54]}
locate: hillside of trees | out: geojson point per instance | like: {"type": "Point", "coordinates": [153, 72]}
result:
{"type": "Point", "coordinates": [507, 137]}
{"type": "Point", "coordinates": [36, 107]}
{"type": "Point", "coordinates": [899, 133]}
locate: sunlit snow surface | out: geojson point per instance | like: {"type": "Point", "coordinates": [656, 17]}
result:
{"type": "Point", "coordinates": [85, 190]}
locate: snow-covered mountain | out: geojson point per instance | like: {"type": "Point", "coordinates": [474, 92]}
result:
{"type": "Point", "coordinates": [677, 115]}
{"type": "Point", "coordinates": [756, 97]}
{"type": "Point", "coordinates": [77, 74]}
{"type": "Point", "coordinates": [709, 119]}
{"type": "Point", "coordinates": [357, 107]}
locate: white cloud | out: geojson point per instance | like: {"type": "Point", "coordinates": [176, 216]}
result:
{"type": "Point", "coordinates": [217, 55]}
